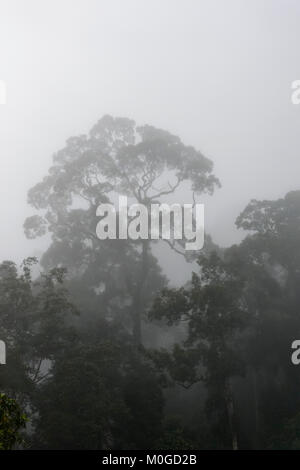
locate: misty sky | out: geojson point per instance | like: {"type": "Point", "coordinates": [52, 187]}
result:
{"type": "Point", "coordinates": [216, 73]}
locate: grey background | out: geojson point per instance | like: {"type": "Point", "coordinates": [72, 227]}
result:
{"type": "Point", "coordinates": [217, 73]}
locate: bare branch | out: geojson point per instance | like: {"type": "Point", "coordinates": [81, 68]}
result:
{"type": "Point", "coordinates": [170, 191]}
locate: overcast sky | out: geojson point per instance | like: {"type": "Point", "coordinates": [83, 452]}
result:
{"type": "Point", "coordinates": [217, 73]}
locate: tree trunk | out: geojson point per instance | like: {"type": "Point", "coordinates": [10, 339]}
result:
{"type": "Point", "coordinates": [231, 415]}
{"type": "Point", "coordinates": [138, 297]}
{"type": "Point", "coordinates": [256, 411]}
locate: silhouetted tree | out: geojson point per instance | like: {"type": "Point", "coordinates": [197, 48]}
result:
{"type": "Point", "coordinates": [116, 157]}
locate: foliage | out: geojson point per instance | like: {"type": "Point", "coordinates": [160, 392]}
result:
{"type": "Point", "coordinates": [12, 420]}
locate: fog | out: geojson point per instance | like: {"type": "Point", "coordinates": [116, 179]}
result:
{"type": "Point", "coordinates": [115, 344]}
{"type": "Point", "coordinates": [218, 74]}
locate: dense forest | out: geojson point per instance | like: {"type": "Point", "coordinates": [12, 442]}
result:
{"type": "Point", "coordinates": [103, 352]}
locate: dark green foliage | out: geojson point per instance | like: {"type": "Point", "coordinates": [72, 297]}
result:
{"type": "Point", "coordinates": [12, 420]}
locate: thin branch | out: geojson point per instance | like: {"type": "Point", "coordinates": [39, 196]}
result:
{"type": "Point", "coordinates": [173, 247]}
{"type": "Point", "coordinates": [170, 191]}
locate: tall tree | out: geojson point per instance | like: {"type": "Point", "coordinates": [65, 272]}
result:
{"type": "Point", "coordinates": [273, 247]}
{"type": "Point", "coordinates": [212, 309]}
{"type": "Point", "coordinates": [116, 157]}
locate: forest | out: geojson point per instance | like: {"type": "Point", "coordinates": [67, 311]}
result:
{"type": "Point", "coordinates": [104, 352]}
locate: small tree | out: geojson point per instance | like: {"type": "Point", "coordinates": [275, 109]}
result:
{"type": "Point", "coordinates": [12, 420]}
